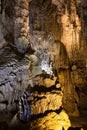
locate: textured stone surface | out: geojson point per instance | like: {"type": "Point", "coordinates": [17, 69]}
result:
{"type": "Point", "coordinates": [52, 121]}
{"type": "Point", "coordinates": [14, 77]}
{"type": "Point", "coordinates": [17, 73]}
{"type": "Point", "coordinates": [47, 82]}
{"type": "Point", "coordinates": [14, 19]}
{"type": "Point", "coordinates": [46, 101]}
{"type": "Point", "coordinates": [71, 26]}
{"type": "Point", "coordinates": [73, 35]}
{"type": "Point", "coordinates": [21, 25]}
{"type": "Point", "coordinates": [2, 40]}
{"type": "Point", "coordinates": [58, 33]}
{"type": "Point", "coordinates": [42, 15]}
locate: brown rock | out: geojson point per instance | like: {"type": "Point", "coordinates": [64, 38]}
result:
{"type": "Point", "coordinates": [49, 82]}
{"type": "Point", "coordinates": [46, 101]}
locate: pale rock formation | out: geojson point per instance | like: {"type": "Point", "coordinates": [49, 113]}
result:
{"type": "Point", "coordinates": [21, 25]}
{"type": "Point", "coordinates": [71, 29]}
{"type": "Point", "coordinates": [14, 78]}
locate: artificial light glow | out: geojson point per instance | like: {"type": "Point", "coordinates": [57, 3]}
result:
{"type": "Point", "coordinates": [46, 67]}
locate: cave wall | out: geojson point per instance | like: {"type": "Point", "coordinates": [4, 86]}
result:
{"type": "Point", "coordinates": [57, 29]}
{"type": "Point", "coordinates": [67, 26]}
{"type": "Point", "coordinates": [73, 36]}
{"type": "Point", "coordinates": [21, 25]}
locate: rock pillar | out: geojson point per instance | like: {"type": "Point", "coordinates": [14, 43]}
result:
{"type": "Point", "coordinates": [21, 28]}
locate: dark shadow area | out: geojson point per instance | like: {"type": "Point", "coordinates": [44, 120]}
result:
{"type": "Point", "coordinates": [3, 125]}
{"type": "Point", "coordinates": [76, 128]}
{"type": "Point", "coordinates": [45, 113]}
{"type": "Point", "coordinates": [43, 89]}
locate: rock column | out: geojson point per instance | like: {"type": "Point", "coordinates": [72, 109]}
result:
{"type": "Point", "coordinates": [21, 27]}
{"type": "Point", "coordinates": [71, 26]}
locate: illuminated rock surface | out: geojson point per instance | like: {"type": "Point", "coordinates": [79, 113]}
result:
{"type": "Point", "coordinates": [46, 101]}
{"type": "Point", "coordinates": [52, 121]}
{"type": "Point", "coordinates": [54, 71]}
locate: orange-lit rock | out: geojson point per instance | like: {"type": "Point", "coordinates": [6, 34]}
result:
{"type": "Point", "coordinates": [52, 121]}
{"type": "Point", "coordinates": [56, 74]}
{"type": "Point", "coordinates": [46, 101]}
{"type": "Point", "coordinates": [47, 82]}
{"type": "Point", "coordinates": [71, 26]}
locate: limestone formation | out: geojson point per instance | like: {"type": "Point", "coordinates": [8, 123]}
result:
{"type": "Point", "coordinates": [21, 25]}
{"type": "Point", "coordinates": [46, 101]}
{"type": "Point", "coordinates": [52, 121]}
{"type": "Point", "coordinates": [14, 78]}
{"type": "Point", "coordinates": [54, 71]}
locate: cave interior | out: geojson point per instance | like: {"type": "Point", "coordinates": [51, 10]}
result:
{"type": "Point", "coordinates": [43, 64]}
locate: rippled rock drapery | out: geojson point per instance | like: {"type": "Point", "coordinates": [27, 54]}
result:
{"type": "Point", "coordinates": [24, 108]}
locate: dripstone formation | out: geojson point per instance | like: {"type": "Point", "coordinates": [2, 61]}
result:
{"type": "Point", "coordinates": [43, 51]}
